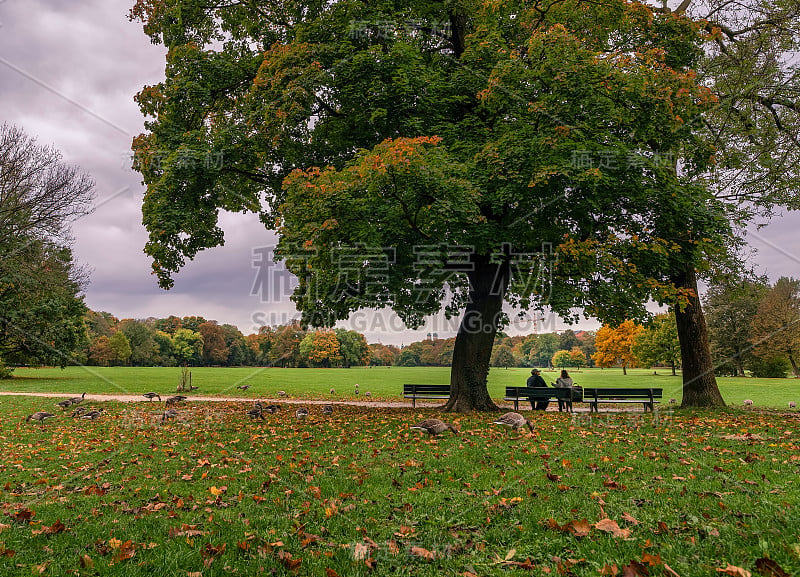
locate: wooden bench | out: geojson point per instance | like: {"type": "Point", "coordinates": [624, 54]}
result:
{"type": "Point", "coordinates": [618, 395]}
{"type": "Point", "coordinates": [534, 394]}
{"type": "Point", "coordinates": [415, 392]}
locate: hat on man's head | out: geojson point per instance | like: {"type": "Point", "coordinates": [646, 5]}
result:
{"type": "Point", "coordinates": [534, 371]}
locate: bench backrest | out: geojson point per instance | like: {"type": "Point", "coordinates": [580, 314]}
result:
{"type": "Point", "coordinates": [628, 393]}
{"type": "Point", "coordinates": [537, 392]}
{"type": "Point", "coordinates": [425, 389]}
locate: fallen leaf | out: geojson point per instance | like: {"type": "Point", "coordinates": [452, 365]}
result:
{"type": "Point", "coordinates": [22, 516]}
{"type": "Point", "coordinates": [424, 553]}
{"type": "Point", "coordinates": [86, 562]}
{"type": "Point", "coordinates": [611, 526]}
{"type": "Point", "coordinates": [330, 572]}
{"type": "Point", "coordinates": [209, 553]}
{"type": "Point", "coordinates": [360, 551]}
{"type": "Point", "coordinates": [734, 571]}
{"type": "Point", "coordinates": [769, 568]}
{"type": "Point", "coordinates": [635, 569]}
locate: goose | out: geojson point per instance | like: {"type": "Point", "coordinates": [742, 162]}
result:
{"type": "Point", "coordinates": [272, 409]}
{"type": "Point", "coordinates": [282, 394]}
{"type": "Point", "coordinates": [257, 412]}
{"type": "Point", "coordinates": [433, 427]}
{"type": "Point", "coordinates": [355, 386]}
{"type": "Point", "coordinates": [92, 415]}
{"type": "Point", "coordinates": [514, 421]}
{"type": "Point", "coordinates": [673, 401]}
{"type": "Point", "coordinates": [301, 413]}
{"type": "Point", "coordinates": [367, 394]}
{"type": "Point", "coordinates": [792, 404]}
{"type": "Point", "coordinates": [176, 399]}
{"type": "Point", "coordinates": [327, 410]}
{"type": "Point", "coordinates": [243, 387]}
{"type": "Point", "coordinates": [333, 391]}
{"type": "Point", "coordinates": [78, 412]}
{"type": "Point", "coordinates": [193, 388]}
{"type": "Point", "coordinates": [65, 404]}
{"type": "Point", "coordinates": [747, 403]}
{"type": "Point", "coordinates": [169, 414]}
{"type": "Point", "coordinates": [40, 416]}
{"type": "Point", "coordinates": [356, 392]}
{"type": "Point", "coordinates": [152, 396]}
{"type": "Point", "coordinates": [78, 400]}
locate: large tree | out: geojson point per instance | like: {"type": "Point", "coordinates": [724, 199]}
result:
{"type": "Point", "coordinates": [615, 345]}
{"type": "Point", "coordinates": [658, 343]}
{"type": "Point", "coordinates": [41, 306]}
{"type": "Point", "coordinates": [776, 324]}
{"type": "Point", "coordinates": [750, 64]}
{"type": "Point", "coordinates": [427, 164]}
{"type": "Point", "coordinates": [731, 306]}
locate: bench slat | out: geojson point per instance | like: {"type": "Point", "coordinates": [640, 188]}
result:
{"type": "Point", "coordinates": [414, 392]}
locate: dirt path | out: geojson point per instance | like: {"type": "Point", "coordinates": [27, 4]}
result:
{"type": "Point", "coordinates": [140, 399]}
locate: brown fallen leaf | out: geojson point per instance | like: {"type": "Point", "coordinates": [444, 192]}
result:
{"type": "Point", "coordinates": [424, 553]}
{"type": "Point", "coordinates": [635, 569]}
{"type": "Point", "coordinates": [360, 552]}
{"type": "Point", "coordinates": [611, 526]}
{"type": "Point", "coordinates": [629, 519]}
{"type": "Point", "coordinates": [22, 516]}
{"type": "Point", "coordinates": [209, 553]}
{"type": "Point", "coordinates": [330, 572]}
{"type": "Point", "coordinates": [769, 568]}
{"type": "Point", "coordinates": [579, 528]}
{"type": "Point", "coordinates": [56, 527]}
{"type": "Point", "coordinates": [734, 571]}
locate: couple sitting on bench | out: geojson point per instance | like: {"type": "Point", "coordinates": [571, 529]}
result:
{"type": "Point", "coordinates": [562, 382]}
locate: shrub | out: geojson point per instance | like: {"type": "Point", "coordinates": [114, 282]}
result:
{"type": "Point", "coordinates": [770, 367]}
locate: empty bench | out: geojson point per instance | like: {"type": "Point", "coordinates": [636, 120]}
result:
{"type": "Point", "coordinates": [415, 392]}
{"type": "Point", "coordinates": [647, 397]}
{"type": "Point", "coordinates": [534, 394]}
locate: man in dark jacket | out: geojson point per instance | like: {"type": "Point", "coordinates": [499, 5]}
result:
{"type": "Point", "coordinates": [536, 380]}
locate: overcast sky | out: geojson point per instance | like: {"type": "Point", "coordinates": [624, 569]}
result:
{"type": "Point", "coordinates": [68, 74]}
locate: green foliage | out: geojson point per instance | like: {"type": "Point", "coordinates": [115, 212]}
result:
{"type": "Point", "coordinates": [503, 356]}
{"type": "Point", "coordinates": [730, 308]}
{"type": "Point", "coordinates": [658, 343]}
{"type": "Point", "coordinates": [769, 367]}
{"type": "Point", "coordinates": [353, 348]}
{"type": "Point", "coordinates": [775, 326]}
{"type": "Point", "coordinates": [120, 347]}
{"type": "Point", "coordinates": [187, 346]}
{"type": "Point", "coordinates": [561, 359]}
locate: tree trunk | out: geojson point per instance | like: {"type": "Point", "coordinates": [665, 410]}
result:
{"type": "Point", "coordinates": [624, 369]}
{"type": "Point", "coordinates": [739, 365]}
{"type": "Point", "coordinates": [699, 383]}
{"type": "Point", "coordinates": [473, 347]}
{"type": "Point", "coordinates": [794, 365]}
{"type": "Point", "coordinates": [673, 368]}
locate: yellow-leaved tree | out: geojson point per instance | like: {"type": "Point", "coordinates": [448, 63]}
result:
{"type": "Point", "coordinates": [614, 345]}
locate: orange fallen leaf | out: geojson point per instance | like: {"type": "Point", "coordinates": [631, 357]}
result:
{"type": "Point", "coordinates": [424, 553]}
{"type": "Point", "coordinates": [734, 571]}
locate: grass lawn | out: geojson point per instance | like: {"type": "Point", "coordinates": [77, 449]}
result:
{"type": "Point", "coordinates": [382, 382]}
{"type": "Point", "coordinates": [358, 493]}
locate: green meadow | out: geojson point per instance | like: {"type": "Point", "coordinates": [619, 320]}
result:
{"type": "Point", "coordinates": [358, 493]}
{"type": "Point", "coordinates": [382, 382]}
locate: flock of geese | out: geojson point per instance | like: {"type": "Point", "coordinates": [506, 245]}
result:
{"type": "Point", "coordinates": [431, 427]}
